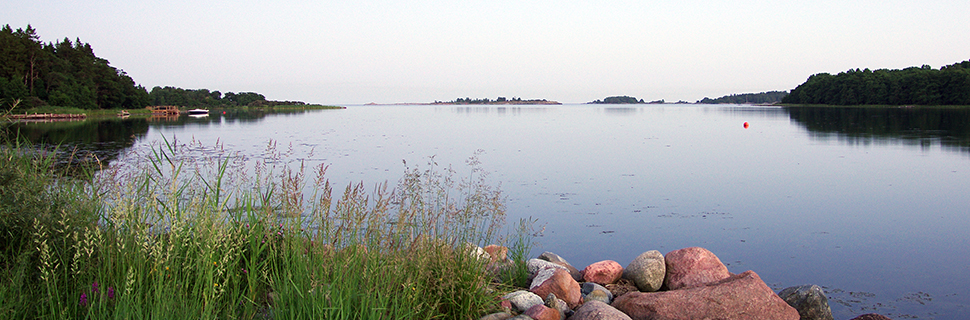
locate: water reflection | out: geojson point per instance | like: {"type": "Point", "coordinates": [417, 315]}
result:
{"type": "Point", "coordinates": [494, 109]}
{"type": "Point", "coordinates": [919, 127]}
{"type": "Point", "coordinates": [227, 116]}
{"type": "Point", "coordinates": [620, 111]}
{"type": "Point", "coordinates": [765, 112]}
{"type": "Point", "coordinates": [78, 141]}
{"type": "Point", "coordinates": [105, 139]}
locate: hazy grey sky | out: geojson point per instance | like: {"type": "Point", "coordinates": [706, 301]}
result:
{"type": "Point", "coordinates": [349, 52]}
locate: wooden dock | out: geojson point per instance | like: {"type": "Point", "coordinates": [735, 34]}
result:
{"type": "Point", "coordinates": [164, 109]}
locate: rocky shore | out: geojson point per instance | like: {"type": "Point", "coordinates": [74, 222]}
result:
{"type": "Point", "coordinates": [689, 283]}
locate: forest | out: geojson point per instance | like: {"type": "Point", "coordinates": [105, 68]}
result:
{"type": "Point", "coordinates": [193, 98]}
{"type": "Point", "coordinates": [949, 85]}
{"type": "Point", "coordinates": [68, 74]}
{"type": "Point", "coordinates": [63, 73]}
{"type": "Point", "coordinates": [746, 98]}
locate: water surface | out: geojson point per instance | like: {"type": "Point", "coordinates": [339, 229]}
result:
{"type": "Point", "coordinates": [869, 203]}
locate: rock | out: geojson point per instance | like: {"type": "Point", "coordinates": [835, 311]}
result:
{"type": "Point", "coordinates": [692, 267]}
{"type": "Point", "coordinates": [739, 297]}
{"type": "Point", "coordinates": [496, 252]}
{"type": "Point", "coordinates": [872, 316]}
{"type": "Point", "coordinates": [521, 317]}
{"type": "Point", "coordinates": [506, 305]}
{"type": "Point", "coordinates": [496, 316]}
{"type": "Point", "coordinates": [595, 292]}
{"type": "Point", "coordinates": [477, 252]}
{"type": "Point", "coordinates": [809, 300]}
{"type": "Point", "coordinates": [534, 265]}
{"type": "Point", "coordinates": [541, 276]}
{"type": "Point", "coordinates": [559, 282]}
{"type": "Point", "coordinates": [558, 304]}
{"type": "Point", "coordinates": [647, 271]}
{"type": "Point", "coordinates": [596, 310]}
{"type": "Point", "coordinates": [554, 258]}
{"type": "Point", "coordinates": [542, 312]}
{"type": "Point", "coordinates": [598, 296]}
{"type": "Point", "coordinates": [603, 272]}
{"type": "Point", "coordinates": [523, 300]}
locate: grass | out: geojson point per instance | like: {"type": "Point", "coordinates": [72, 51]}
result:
{"type": "Point", "coordinates": [72, 110]}
{"type": "Point", "coordinates": [191, 232]}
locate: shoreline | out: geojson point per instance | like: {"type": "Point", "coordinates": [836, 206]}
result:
{"type": "Point", "coordinates": [72, 114]}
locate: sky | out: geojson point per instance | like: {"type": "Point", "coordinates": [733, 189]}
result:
{"type": "Point", "coordinates": [380, 51]}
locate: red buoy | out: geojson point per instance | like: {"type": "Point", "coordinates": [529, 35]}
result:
{"type": "Point", "coordinates": [745, 124]}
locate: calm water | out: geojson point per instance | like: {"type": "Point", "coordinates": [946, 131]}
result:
{"type": "Point", "coordinates": [869, 203]}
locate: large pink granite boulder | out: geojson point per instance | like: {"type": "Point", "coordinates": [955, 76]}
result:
{"type": "Point", "coordinates": [603, 272]}
{"type": "Point", "coordinates": [691, 267]}
{"type": "Point", "coordinates": [739, 297]}
{"type": "Point", "coordinates": [558, 282]}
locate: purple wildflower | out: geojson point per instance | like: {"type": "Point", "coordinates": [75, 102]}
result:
{"type": "Point", "coordinates": [94, 287]}
{"type": "Point", "coordinates": [84, 300]}
{"type": "Point", "coordinates": [111, 293]}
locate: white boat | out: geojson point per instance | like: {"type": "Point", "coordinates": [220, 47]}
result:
{"type": "Point", "coordinates": [198, 111]}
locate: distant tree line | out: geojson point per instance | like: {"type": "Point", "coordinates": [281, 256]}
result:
{"type": "Point", "coordinates": [499, 100]}
{"type": "Point", "coordinates": [171, 96]}
{"type": "Point", "coordinates": [68, 74]}
{"type": "Point", "coordinates": [618, 100]}
{"type": "Point", "coordinates": [64, 73]}
{"type": "Point", "coordinates": [467, 100]}
{"type": "Point", "coordinates": [746, 98]}
{"type": "Point", "coordinates": [949, 85]}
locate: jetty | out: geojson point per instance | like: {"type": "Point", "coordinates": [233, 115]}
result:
{"type": "Point", "coordinates": [164, 110]}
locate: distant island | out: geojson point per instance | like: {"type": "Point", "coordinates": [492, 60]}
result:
{"type": "Point", "coordinates": [769, 97]}
{"type": "Point", "coordinates": [497, 101]}
{"type": "Point", "coordinates": [624, 100]}
{"type": "Point", "coordinates": [618, 100]}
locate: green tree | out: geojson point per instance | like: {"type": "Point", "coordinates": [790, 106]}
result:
{"type": "Point", "coordinates": [65, 73]}
{"type": "Point", "coordinates": [923, 85]}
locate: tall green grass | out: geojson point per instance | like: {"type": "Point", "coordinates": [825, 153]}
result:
{"type": "Point", "coordinates": [201, 233]}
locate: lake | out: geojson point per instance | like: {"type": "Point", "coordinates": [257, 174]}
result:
{"type": "Point", "coordinates": [869, 203]}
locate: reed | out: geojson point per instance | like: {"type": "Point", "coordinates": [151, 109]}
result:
{"type": "Point", "coordinates": [198, 232]}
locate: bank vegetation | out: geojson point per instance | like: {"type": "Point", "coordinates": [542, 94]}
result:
{"type": "Point", "coordinates": [192, 232]}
